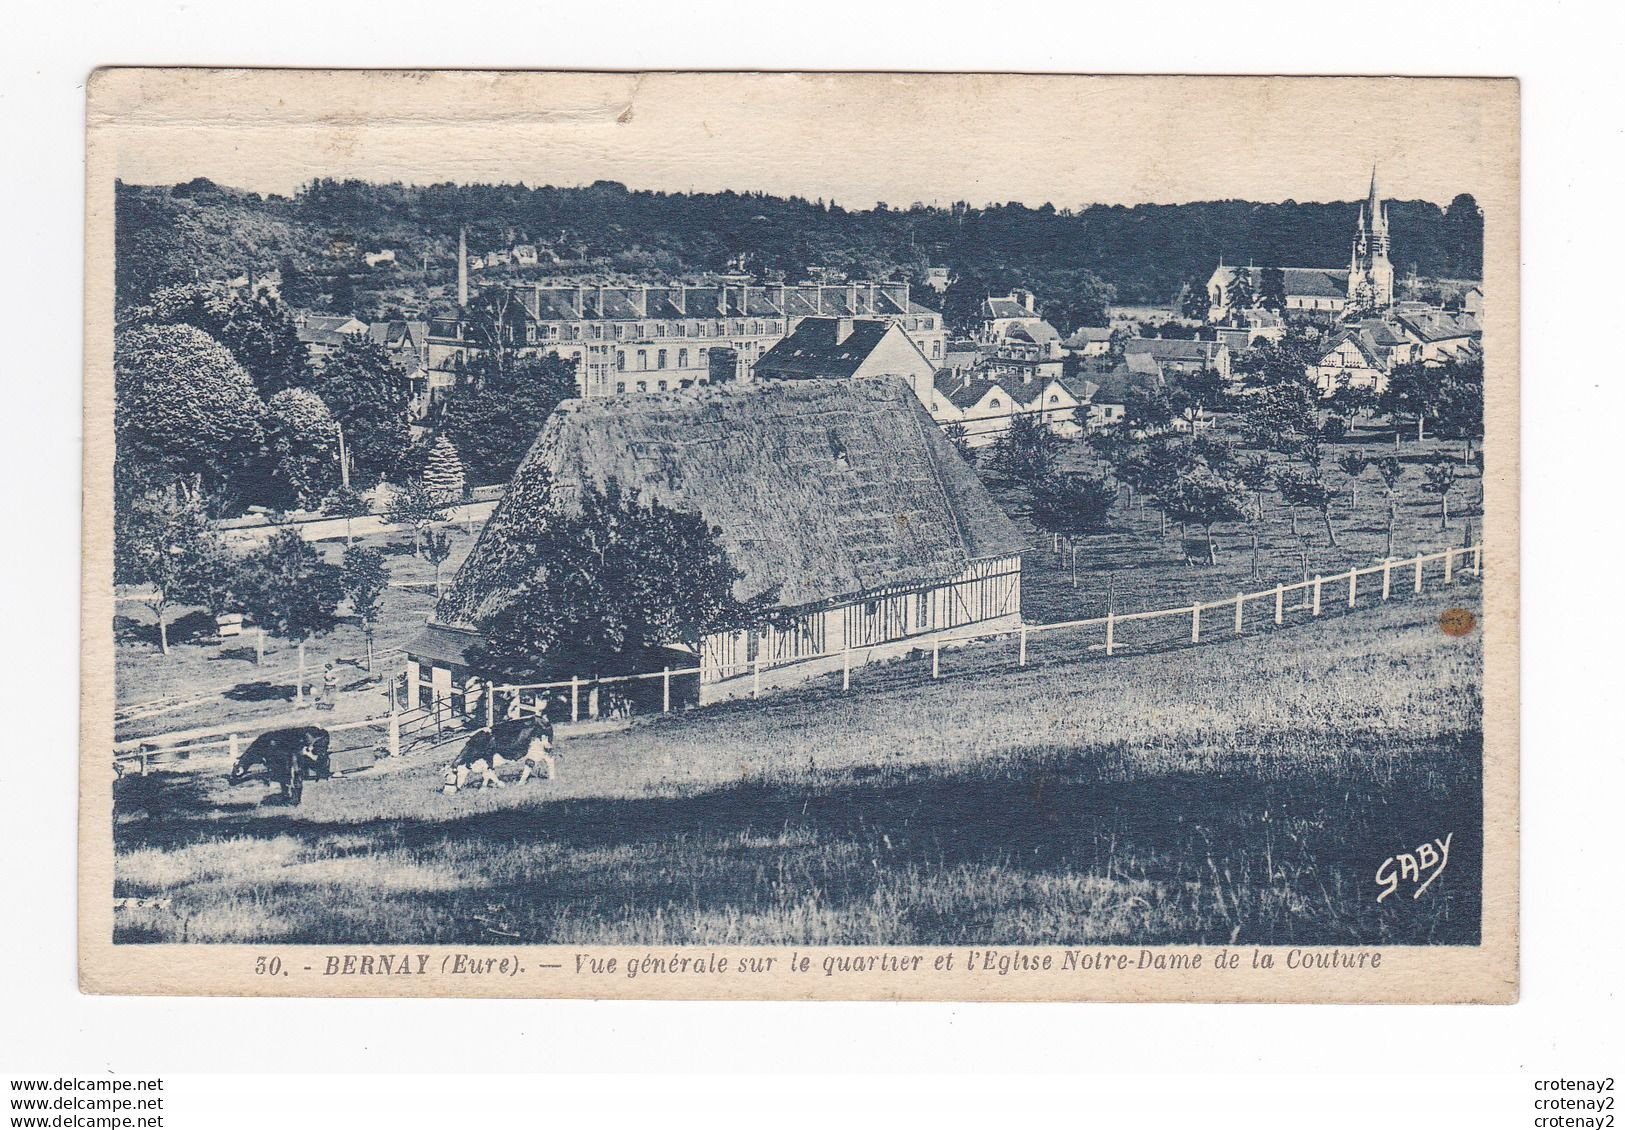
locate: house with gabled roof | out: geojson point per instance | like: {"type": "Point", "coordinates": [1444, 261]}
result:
{"type": "Point", "coordinates": [838, 500]}
{"type": "Point", "coordinates": [1438, 334]}
{"type": "Point", "coordinates": [847, 348]}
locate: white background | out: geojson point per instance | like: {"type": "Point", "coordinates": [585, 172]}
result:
{"type": "Point", "coordinates": [1568, 1020]}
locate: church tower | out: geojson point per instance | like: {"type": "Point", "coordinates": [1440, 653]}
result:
{"type": "Point", "coordinates": [1371, 275]}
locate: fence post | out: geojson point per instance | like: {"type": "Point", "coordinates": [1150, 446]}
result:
{"type": "Point", "coordinates": [1278, 592]}
{"type": "Point", "coordinates": [1354, 580]}
{"type": "Point", "coordinates": [1021, 655]}
{"type": "Point", "coordinates": [665, 690]}
{"type": "Point", "coordinates": [1238, 614]}
{"type": "Point", "coordinates": [1074, 564]}
{"type": "Point", "coordinates": [1315, 607]}
{"type": "Point", "coordinates": [1387, 575]}
{"type": "Point", "coordinates": [1478, 556]}
{"type": "Point", "coordinates": [259, 646]}
{"type": "Point", "coordinates": [846, 666]}
{"type": "Point", "coordinates": [575, 698]}
{"type": "Point", "coordinates": [394, 738]}
{"type": "Point", "coordinates": [1111, 624]}
{"type": "Point", "coordinates": [756, 677]}
{"type": "Point", "coordinates": [1418, 585]}
{"type": "Point", "coordinates": [231, 746]}
{"type": "Point", "coordinates": [490, 706]}
{"type": "Point", "coordinates": [143, 763]}
{"type": "Point", "coordinates": [1196, 623]}
{"type": "Point", "coordinates": [1449, 561]}
{"type": "Point", "coordinates": [936, 656]}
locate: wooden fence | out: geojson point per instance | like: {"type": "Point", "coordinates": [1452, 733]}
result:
{"type": "Point", "coordinates": [1228, 617]}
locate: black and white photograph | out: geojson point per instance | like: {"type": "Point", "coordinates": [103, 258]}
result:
{"type": "Point", "coordinates": [681, 515]}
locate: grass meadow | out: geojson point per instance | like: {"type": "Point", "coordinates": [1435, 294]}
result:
{"type": "Point", "coordinates": [1242, 791]}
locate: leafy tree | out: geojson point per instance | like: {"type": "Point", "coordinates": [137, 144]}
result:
{"type": "Point", "coordinates": [364, 580]}
{"type": "Point", "coordinates": [1439, 477]}
{"type": "Point", "coordinates": [291, 592]}
{"type": "Point", "coordinates": [1072, 503]}
{"type": "Point", "coordinates": [1283, 417]}
{"type": "Point", "coordinates": [1353, 464]}
{"type": "Point", "coordinates": [499, 404]}
{"type": "Point", "coordinates": [347, 503]}
{"type": "Point", "coordinates": [1392, 473]}
{"type": "Point", "coordinates": [185, 408]}
{"type": "Point", "coordinates": [443, 475]}
{"type": "Point", "coordinates": [435, 547]}
{"type": "Point", "coordinates": [1258, 476]}
{"type": "Point", "coordinates": [1199, 394]}
{"type": "Point", "coordinates": [1200, 496]}
{"type": "Point", "coordinates": [298, 288]}
{"type": "Point", "coordinates": [166, 542]}
{"type": "Point", "coordinates": [341, 294]}
{"type": "Point", "coordinates": [1460, 403]}
{"type": "Point", "coordinates": [960, 438]}
{"type": "Point", "coordinates": [1147, 410]}
{"type": "Point", "coordinates": [415, 507]}
{"type": "Point", "coordinates": [303, 447]}
{"type": "Point", "coordinates": [1304, 487]}
{"type": "Point", "coordinates": [1196, 303]}
{"type": "Point", "coordinates": [1413, 390]}
{"type": "Point", "coordinates": [1027, 451]}
{"type": "Point", "coordinates": [609, 585]}
{"type": "Point", "coordinates": [370, 399]}
{"type": "Point", "coordinates": [1348, 402]}
{"type": "Point", "coordinates": [258, 329]}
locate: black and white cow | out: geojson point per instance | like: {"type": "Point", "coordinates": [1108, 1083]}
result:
{"type": "Point", "coordinates": [289, 755]}
{"type": "Point", "coordinates": [525, 740]}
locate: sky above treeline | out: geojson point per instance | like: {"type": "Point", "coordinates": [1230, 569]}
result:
{"type": "Point", "coordinates": [855, 139]}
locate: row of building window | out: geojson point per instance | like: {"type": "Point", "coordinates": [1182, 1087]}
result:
{"type": "Point", "coordinates": [659, 386]}
{"type": "Point", "coordinates": [661, 356]}
{"type": "Point", "coordinates": [633, 331]}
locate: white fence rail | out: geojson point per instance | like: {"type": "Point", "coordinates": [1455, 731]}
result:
{"type": "Point", "coordinates": [402, 728]}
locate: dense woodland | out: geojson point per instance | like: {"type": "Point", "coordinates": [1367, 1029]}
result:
{"type": "Point", "coordinates": [1075, 260]}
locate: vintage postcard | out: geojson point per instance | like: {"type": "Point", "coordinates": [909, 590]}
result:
{"type": "Point", "coordinates": [891, 536]}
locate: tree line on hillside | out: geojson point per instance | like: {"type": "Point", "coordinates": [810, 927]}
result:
{"type": "Point", "coordinates": [1075, 259]}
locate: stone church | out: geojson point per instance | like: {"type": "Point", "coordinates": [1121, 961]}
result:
{"type": "Point", "coordinates": [1367, 285]}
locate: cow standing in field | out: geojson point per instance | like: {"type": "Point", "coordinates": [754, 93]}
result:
{"type": "Point", "coordinates": [289, 756]}
{"type": "Point", "coordinates": [526, 740]}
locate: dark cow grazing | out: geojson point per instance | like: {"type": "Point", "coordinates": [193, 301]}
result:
{"type": "Point", "coordinates": [526, 740]}
{"type": "Point", "coordinates": [289, 756]}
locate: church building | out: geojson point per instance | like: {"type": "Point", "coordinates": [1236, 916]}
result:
{"type": "Point", "coordinates": [1367, 285]}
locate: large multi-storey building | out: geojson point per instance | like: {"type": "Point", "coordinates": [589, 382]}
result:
{"type": "Point", "coordinates": [631, 339]}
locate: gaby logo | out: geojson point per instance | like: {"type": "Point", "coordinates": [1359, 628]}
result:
{"type": "Point", "coordinates": [1422, 866]}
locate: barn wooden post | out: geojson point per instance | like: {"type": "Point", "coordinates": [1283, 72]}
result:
{"type": "Point", "coordinates": [575, 698]}
{"type": "Point", "coordinates": [756, 677]}
{"type": "Point", "coordinates": [1449, 563]}
{"type": "Point", "coordinates": [1021, 655]}
{"type": "Point", "coordinates": [665, 690]}
{"type": "Point", "coordinates": [1238, 614]}
{"type": "Point", "coordinates": [1387, 576]}
{"type": "Point", "coordinates": [1354, 575]}
{"type": "Point", "coordinates": [1111, 625]}
{"type": "Point", "coordinates": [936, 655]}
{"type": "Point", "coordinates": [1196, 623]}
{"type": "Point", "coordinates": [1418, 582]}
{"type": "Point", "coordinates": [846, 666]}
{"type": "Point", "coordinates": [1279, 590]}
{"type": "Point", "coordinates": [1315, 607]}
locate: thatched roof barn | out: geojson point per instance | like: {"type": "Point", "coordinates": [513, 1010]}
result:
{"type": "Point", "coordinates": [841, 497]}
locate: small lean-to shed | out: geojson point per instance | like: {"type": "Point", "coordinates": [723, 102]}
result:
{"type": "Point", "coordinates": [841, 497]}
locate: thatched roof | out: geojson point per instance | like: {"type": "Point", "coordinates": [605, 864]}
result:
{"type": "Point", "coordinates": [822, 490]}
